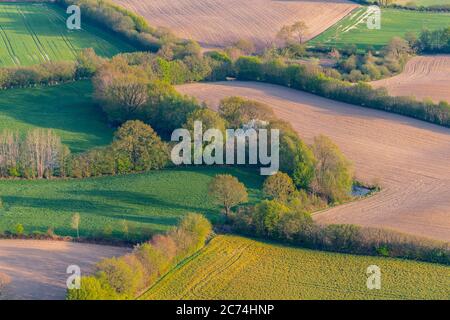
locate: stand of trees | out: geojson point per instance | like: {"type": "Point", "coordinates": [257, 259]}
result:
{"type": "Point", "coordinates": [437, 41]}
{"type": "Point", "coordinates": [40, 154]}
{"type": "Point", "coordinates": [127, 276]}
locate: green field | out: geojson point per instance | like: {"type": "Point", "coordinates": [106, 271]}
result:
{"type": "Point", "coordinates": [423, 2]}
{"type": "Point", "coordinates": [31, 33]}
{"type": "Point", "coordinates": [150, 202]}
{"type": "Point", "coordinates": [68, 109]}
{"type": "Point", "coordinates": [353, 29]}
{"type": "Point", "coordinates": [231, 267]}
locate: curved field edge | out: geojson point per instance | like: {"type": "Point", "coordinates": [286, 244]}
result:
{"type": "Point", "coordinates": [37, 269]}
{"type": "Point", "coordinates": [232, 267]}
{"type": "Point", "coordinates": [424, 77]}
{"type": "Point", "coordinates": [407, 157]}
{"type": "Point", "coordinates": [149, 203]}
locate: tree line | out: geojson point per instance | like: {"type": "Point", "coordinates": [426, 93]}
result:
{"type": "Point", "coordinates": [127, 276]}
{"type": "Point", "coordinates": [303, 78]}
{"type": "Point", "coordinates": [285, 215]}
{"type": "Point", "coordinates": [40, 154]}
{"type": "Point", "coordinates": [126, 24]}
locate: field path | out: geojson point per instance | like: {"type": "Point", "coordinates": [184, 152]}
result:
{"type": "Point", "coordinates": [423, 77]}
{"type": "Point", "coordinates": [410, 158]}
{"type": "Point", "coordinates": [38, 268]}
{"type": "Point", "coordinates": [218, 23]}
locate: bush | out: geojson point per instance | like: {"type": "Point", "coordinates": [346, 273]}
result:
{"type": "Point", "coordinates": [290, 223]}
{"type": "Point", "coordinates": [279, 187]}
{"type": "Point", "coordinates": [127, 276]}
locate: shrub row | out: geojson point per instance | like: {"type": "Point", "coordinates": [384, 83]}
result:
{"type": "Point", "coordinates": [51, 72]}
{"type": "Point", "coordinates": [130, 26]}
{"type": "Point", "coordinates": [275, 220]}
{"type": "Point", "coordinates": [127, 276]}
{"type": "Point", "coordinates": [311, 80]}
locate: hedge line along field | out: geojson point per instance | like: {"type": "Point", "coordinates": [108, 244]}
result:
{"type": "Point", "coordinates": [31, 33]}
{"type": "Point", "coordinates": [149, 202]}
{"type": "Point", "coordinates": [68, 109]}
{"type": "Point", "coordinates": [232, 267]}
{"type": "Point", "coordinates": [394, 22]}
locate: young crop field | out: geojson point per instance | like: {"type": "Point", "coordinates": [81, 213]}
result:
{"type": "Point", "coordinates": [353, 29]}
{"type": "Point", "coordinates": [422, 2]}
{"type": "Point", "coordinates": [232, 267]}
{"type": "Point", "coordinates": [148, 202]}
{"type": "Point", "coordinates": [31, 33]}
{"type": "Point", "coordinates": [67, 109]}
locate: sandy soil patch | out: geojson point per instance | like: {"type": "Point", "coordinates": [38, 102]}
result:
{"type": "Point", "coordinates": [410, 158]}
{"type": "Point", "coordinates": [37, 269]}
{"type": "Point", "coordinates": [423, 77]}
{"type": "Point", "coordinates": [217, 23]}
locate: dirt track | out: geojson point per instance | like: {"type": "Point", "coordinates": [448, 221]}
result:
{"type": "Point", "coordinates": [423, 77]}
{"type": "Point", "coordinates": [217, 23]}
{"type": "Point", "coordinates": [38, 268]}
{"type": "Point", "coordinates": [410, 158]}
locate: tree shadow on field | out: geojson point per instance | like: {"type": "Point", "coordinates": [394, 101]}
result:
{"type": "Point", "coordinates": [141, 199]}
{"type": "Point", "coordinates": [63, 205]}
{"type": "Point", "coordinates": [60, 108]}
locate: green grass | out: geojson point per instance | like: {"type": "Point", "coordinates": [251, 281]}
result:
{"type": "Point", "coordinates": [150, 202]}
{"type": "Point", "coordinates": [231, 267]}
{"type": "Point", "coordinates": [424, 3]}
{"type": "Point", "coordinates": [31, 33]}
{"type": "Point", "coordinates": [68, 109]}
{"type": "Point", "coordinates": [393, 23]}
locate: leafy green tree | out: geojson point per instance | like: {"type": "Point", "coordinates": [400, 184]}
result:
{"type": "Point", "coordinates": [227, 191]}
{"type": "Point", "coordinates": [20, 229]}
{"type": "Point", "coordinates": [249, 68]}
{"type": "Point", "coordinates": [333, 173]}
{"type": "Point", "coordinates": [137, 142]}
{"type": "Point", "coordinates": [209, 118]}
{"type": "Point", "coordinates": [268, 214]}
{"type": "Point", "coordinates": [91, 289]}
{"type": "Point", "coordinates": [238, 111]}
{"type": "Point", "coordinates": [279, 187]}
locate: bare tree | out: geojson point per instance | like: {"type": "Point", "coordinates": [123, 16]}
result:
{"type": "Point", "coordinates": [295, 33]}
{"type": "Point", "coordinates": [75, 223]}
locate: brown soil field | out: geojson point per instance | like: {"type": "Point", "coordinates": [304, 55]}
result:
{"type": "Point", "coordinates": [37, 269]}
{"type": "Point", "coordinates": [409, 158]}
{"type": "Point", "coordinates": [423, 77]}
{"type": "Point", "coordinates": [218, 23]}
